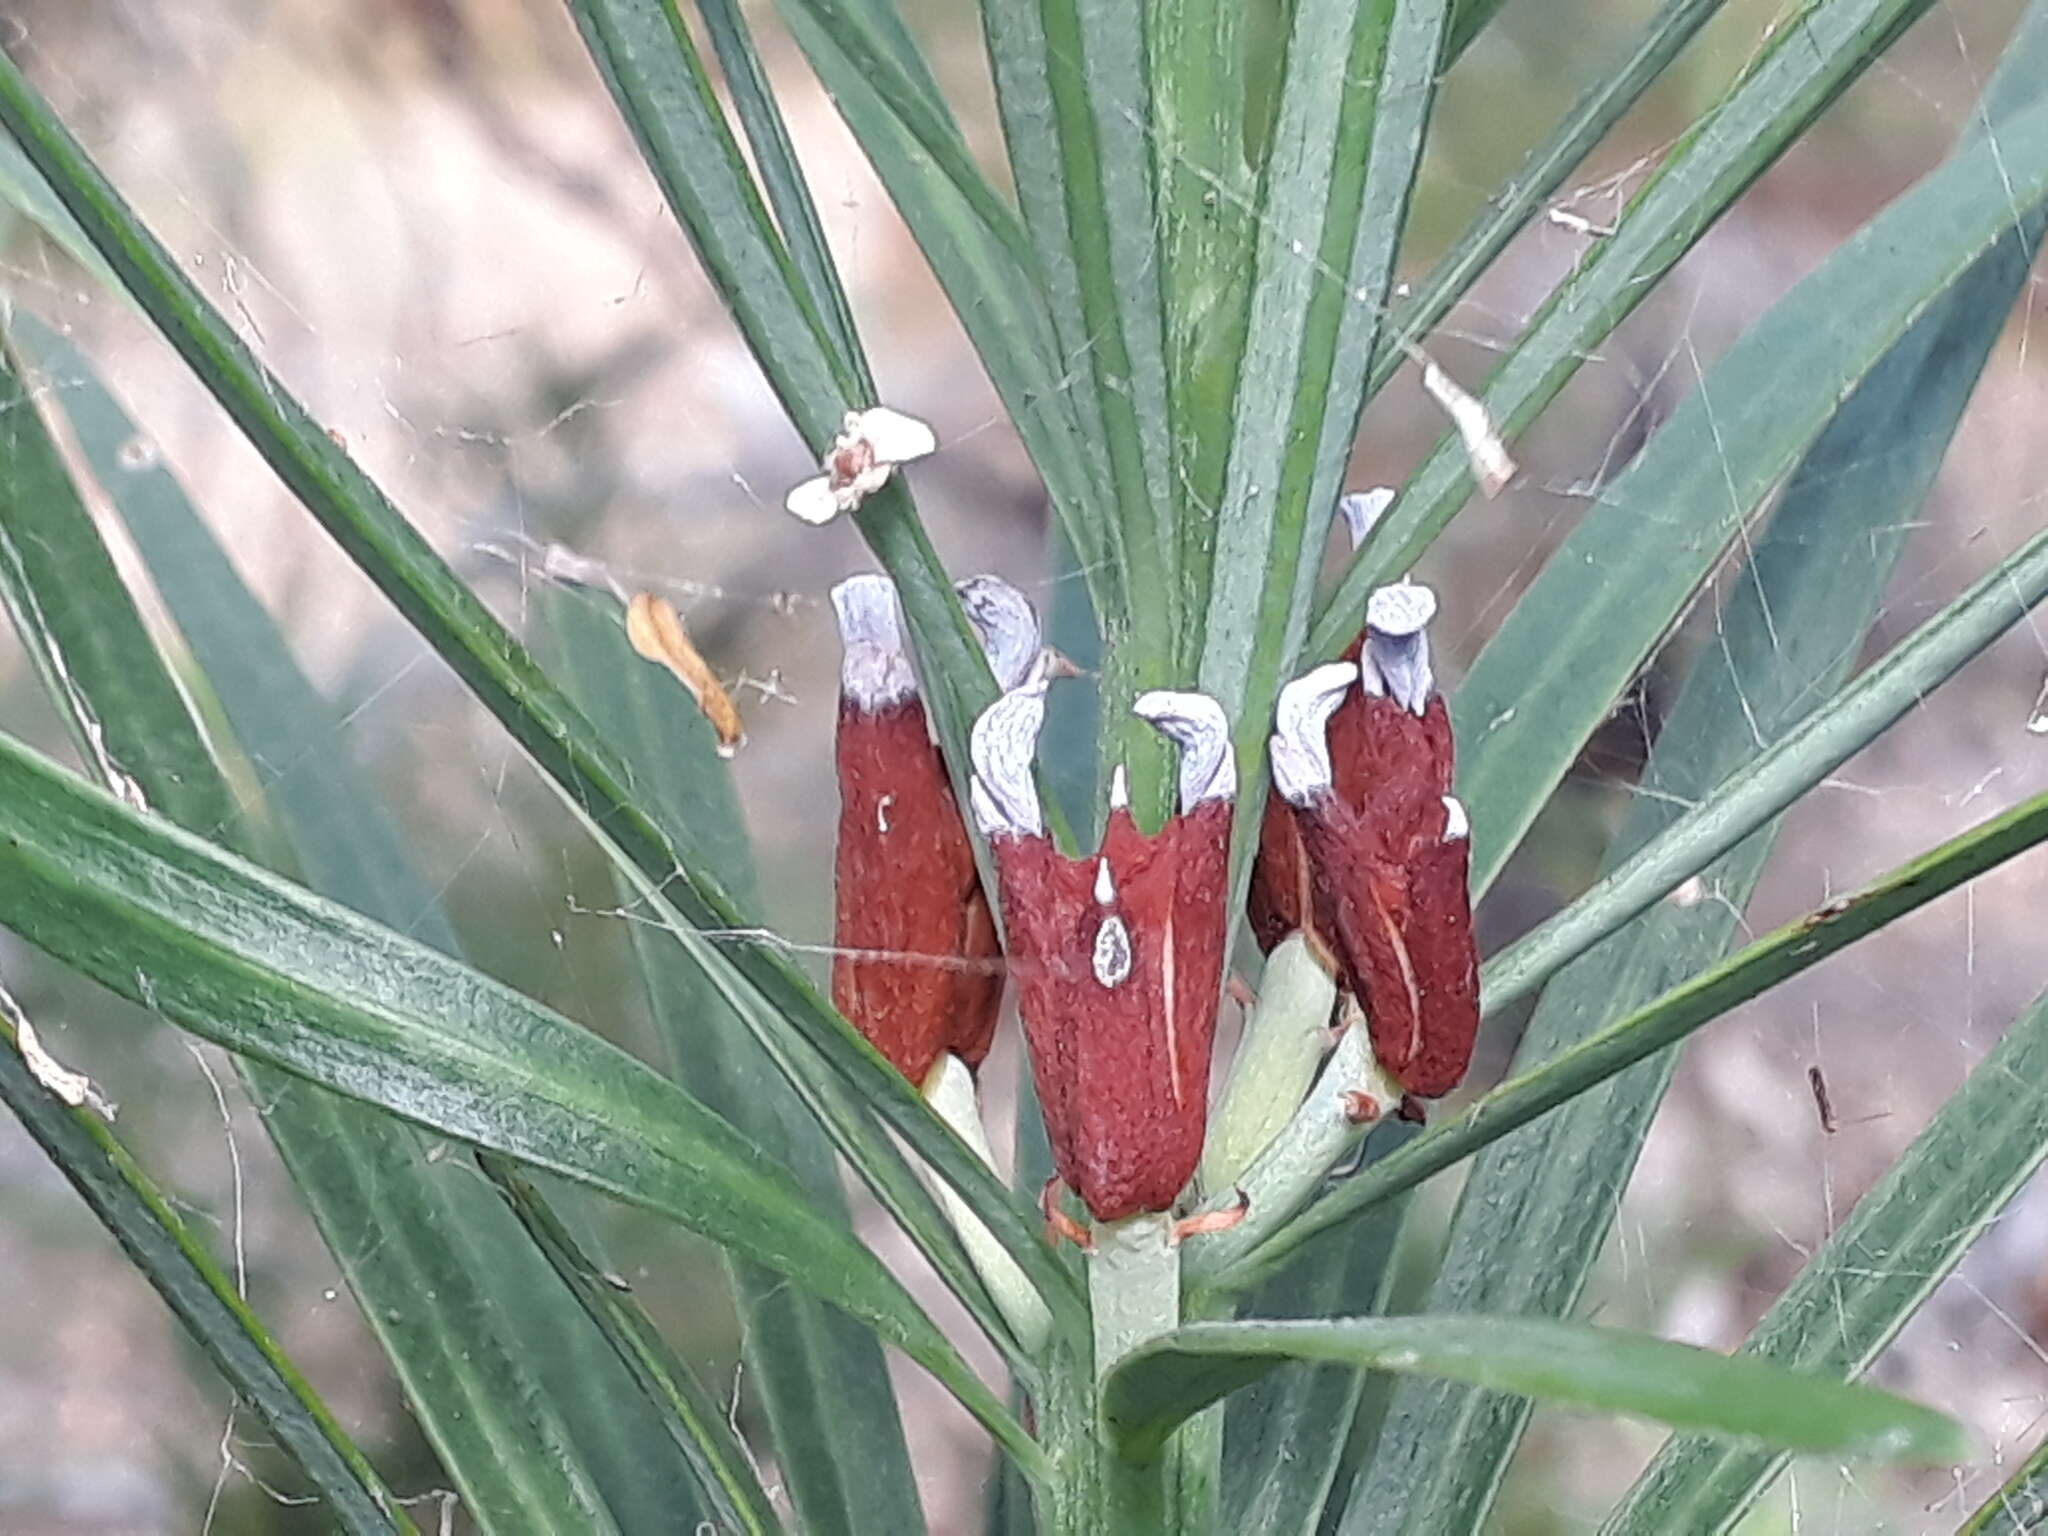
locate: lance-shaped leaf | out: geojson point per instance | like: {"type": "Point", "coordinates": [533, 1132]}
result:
{"type": "Point", "coordinates": [412, 1237]}
{"type": "Point", "coordinates": [193, 1284]}
{"type": "Point", "coordinates": [1161, 1383]}
{"type": "Point", "coordinates": [271, 971]}
{"type": "Point", "coordinates": [1537, 1210]}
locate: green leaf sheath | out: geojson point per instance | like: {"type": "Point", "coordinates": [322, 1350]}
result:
{"type": "Point", "coordinates": [1903, 1238]}
{"type": "Point", "coordinates": [1597, 1368]}
{"type": "Point", "coordinates": [1811, 58]}
{"type": "Point", "coordinates": [819, 1375]}
{"type": "Point", "coordinates": [173, 1259]}
{"type": "Point", "coordinates": [463, 631]}
{"type": "Point", "coordinates": [268, 970]}
{"type": "Point", "coordinates": [1783, 953]}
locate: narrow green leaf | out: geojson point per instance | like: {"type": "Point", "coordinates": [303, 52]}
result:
{"type": "Point", "coordinates": [1536, 1211]}
{"type": "Point", "coordinates": [651, 67]}
{"type": "Point", "coordinates": [1014, 36]}
{"type": "Point", "coordinates": [200, 1292]}
{"type": "Point", "coordinates": [1783, 953]}
{"type": "Point", "coordinates": [1096, 53]}
{"type": "Point", "coordinates": [1719, 818]}
{"type": "Point", "coordinates": [367, 1181]}
{"type": "Point", "coordinates": [782, 177]}
{"type": "Point", "coordinates": [1346, 150]}
{"type": "Point", "coordinates": [268, 970]}
{"type": "Point", "coordinates": [22, 188]}
{"type": "Point", "coordinates": [977, 252]}
{"type": "Point", "coordinates": [2020, 1508]}
{"type": "Point", "coordinates": [1207, 203]}
{"type": "Point", "coordinates": [498, 671]}
{"type": "Point", "coordinates": [1312, 190]}
{"type": "Point", "coordinates": [1903, 1238]}
{"type": "Point", "coordinates": [1159, 1385]}
{"type": "Point", "coordinates": [724, 1473]}
{"type": "Point", "coordinates": [475, 1317]}
{"type": "Point", "coordinates": [1810, 59]}
{"type": "Point", "coordinates": [1510, 206]}
{"type": "Point", "coordinates": [1553, 670]}
{"type": "Point", "coordinates": [820, 1377]}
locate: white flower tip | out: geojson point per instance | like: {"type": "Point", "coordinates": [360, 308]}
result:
{"type": "Point", "coordinates": [893, 437]}
{"type": "Point", "coordinates": [1001, 747]}
{"type": "Point", "coordinates": [1007, 624]}
{"type": "Point", "coordinates": [875, 669]}
{"type": "Point", "coordinates": [1456, 823]}
{"type": "Point", "coordinates": [815, 502]}
{"type": "Point", "coordinates": [1361, 509]}
{"type": "Point", "coordinates": [1119, 788]}
{"type": "Point", "coordinates": [1403, 609]}
{"type": "Point", "coordinates": [1105, 884]}
{"type": "Point", "coordinates": [1300, 747]}
{"type": "Point", "coordinates": [1197, 725]}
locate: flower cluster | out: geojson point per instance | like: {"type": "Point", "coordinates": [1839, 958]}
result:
{"type": "Point", "coordinates": [1118, 954]}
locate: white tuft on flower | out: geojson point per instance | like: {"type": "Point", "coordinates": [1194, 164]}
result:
{"type": "Point", "coordinates": [1197, 725]}
{"type": "Point", "coordinates": [1007, 624]}
{"type": "Point", "coordinates": [1300, 746]}
{"type": "Point", "coordinates": [1396, 659]}
{"type": "Point", "coordinates": [874, 670]}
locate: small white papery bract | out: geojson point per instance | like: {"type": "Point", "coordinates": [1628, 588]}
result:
{"type": "Point", "coordinates": [1197, 725]}
{"type": "Point", "coordinates": [869, 446]}
{"type": "Point", "coordinates": [1457, 823]}
{"type": "Point", "coordinates": [1300, 746]}
{"type": "Point", "coordinates": [1362, 509]}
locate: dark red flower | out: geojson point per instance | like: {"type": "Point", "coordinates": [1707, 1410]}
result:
{"type": "Point", "coordinates": [917, 964]}
{"type": "Point", "coordinates": [1118, 956]}
{"type": "Point", "coordinates": [1365, 851]}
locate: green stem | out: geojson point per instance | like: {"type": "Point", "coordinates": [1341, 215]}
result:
{"type": "Point", "coordinates": [1284, 1040]}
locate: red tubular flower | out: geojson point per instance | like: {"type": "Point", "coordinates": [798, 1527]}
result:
{"type": "Point", "coordinates": [917, 965]}
{"type": "Point", "coordinates": [1371, 854]}
{"type": "Point", "coordinates": [1119, 956]}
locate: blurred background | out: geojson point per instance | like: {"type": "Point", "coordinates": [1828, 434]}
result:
{"type": "Point", "coordinates": [427, 217]}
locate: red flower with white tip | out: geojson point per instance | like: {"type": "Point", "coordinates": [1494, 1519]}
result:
{"type": "Point", "coordinates": [1364, 850]}
{"type": "Point", "coordinates": [1118, 956]}
{"type": "Point", "coordinates": [917, 966]}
